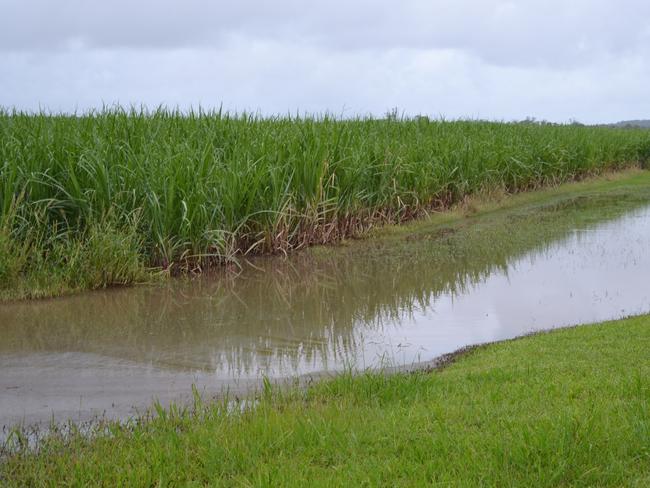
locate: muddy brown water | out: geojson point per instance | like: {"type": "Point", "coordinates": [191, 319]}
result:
{"type": "Point", "coordinates": [111, 353]}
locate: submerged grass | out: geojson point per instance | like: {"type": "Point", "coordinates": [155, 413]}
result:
{"type": "Point", "coordinates": [566, 408]}
{"type": "Point", "coordinates": [187, 190]}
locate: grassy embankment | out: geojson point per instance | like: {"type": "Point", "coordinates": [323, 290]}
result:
{"type": "Point", "coordinates": [566, 408]}
{"type": "Point", "coordinates": [99, 199]}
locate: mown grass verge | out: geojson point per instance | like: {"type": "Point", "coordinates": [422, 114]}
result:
{"type": "Point", "coordinates": [565, 408]}
{"type": "Point", "coordinates": [184, 191]}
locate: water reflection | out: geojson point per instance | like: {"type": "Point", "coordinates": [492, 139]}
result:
{"type": "Point", "coordinates": [405, 299]}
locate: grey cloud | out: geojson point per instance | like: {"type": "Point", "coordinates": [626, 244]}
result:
{"type": "Point", "coordinates": [553, 59]}
{"type": "Point", "coordinates": [519, 33]}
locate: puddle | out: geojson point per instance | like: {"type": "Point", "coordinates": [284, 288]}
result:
{"type": "Point", "coordinates": [397, 301]}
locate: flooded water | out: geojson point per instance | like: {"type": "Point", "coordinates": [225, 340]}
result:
{"type": "Point", "coordinates": [398, 301]}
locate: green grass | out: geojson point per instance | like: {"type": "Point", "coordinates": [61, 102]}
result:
{"type": "Point", "coordinates": [566, 408]}
{"type": "Point", "coordinates": [179, 191]}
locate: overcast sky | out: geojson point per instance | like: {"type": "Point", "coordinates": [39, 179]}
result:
{"type": "Point", "coordinates": [587, 60]}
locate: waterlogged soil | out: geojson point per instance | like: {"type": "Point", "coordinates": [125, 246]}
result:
{"type": "Point", "coordinates": [406, 298]}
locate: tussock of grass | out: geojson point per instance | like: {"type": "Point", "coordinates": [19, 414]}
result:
{"type": "Point", "coordinates": [205, 186]}
{"type": "Point", "coordinates": [100, 256]}
{"type": "Point", "coordinates": [567, 408]}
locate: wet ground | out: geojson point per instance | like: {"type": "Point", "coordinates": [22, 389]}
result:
{"type": "Point", "coordinates": [394, 301]}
